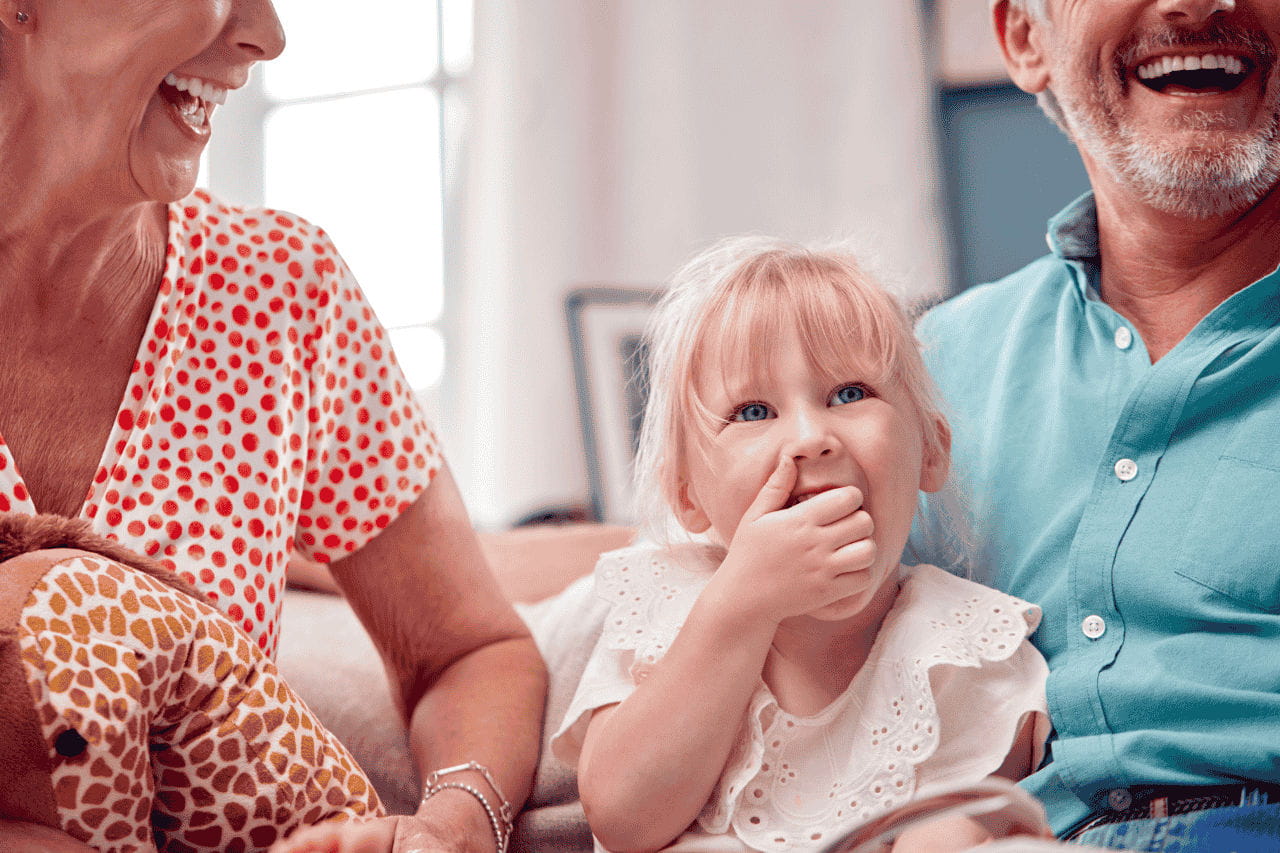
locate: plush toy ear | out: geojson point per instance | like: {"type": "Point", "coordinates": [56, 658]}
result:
{"type": "Point", "coordinates": [936, 464]}
{"type": "Point", "coordinates": [1022, 41]}
{"type": "Point", "coordinates": [689, 511]}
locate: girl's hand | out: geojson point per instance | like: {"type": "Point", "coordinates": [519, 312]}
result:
{"type": "Point", "coordinates": [788, 561]}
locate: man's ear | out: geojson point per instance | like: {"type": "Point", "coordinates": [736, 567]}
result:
{"type": "Point", "coordinates": [1023, 41]}
{"type": "Point", "coordinates": [936, 464]}
{"type": "Point", "coordinates": [688, 510]}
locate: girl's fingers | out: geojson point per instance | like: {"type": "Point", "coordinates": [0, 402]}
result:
{"type": "Point", "coordinates": [775, 492]}
{"type": "Point", "coordinates": [832, 505]}
{"type": "Point", "coordinates": [856, 557]}
{"type": "Point", "coordinates": [850, 528]}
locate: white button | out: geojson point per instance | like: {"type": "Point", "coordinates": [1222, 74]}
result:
{"type": "Point", "coordinates": [1119, 799]}
{"type": "Point", "coordinates": [1093, 626]}
{"type": "Point", "coordinates": [1126, 469]}
{"type": "Point", "coordinates": [1124, 337]}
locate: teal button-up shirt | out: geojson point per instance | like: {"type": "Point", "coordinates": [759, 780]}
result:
{"type": "Point", "coordinates": [1138, 504]}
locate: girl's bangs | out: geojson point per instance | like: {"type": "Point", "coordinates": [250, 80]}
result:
{"type": "Point", "coordinates": [849, 329]}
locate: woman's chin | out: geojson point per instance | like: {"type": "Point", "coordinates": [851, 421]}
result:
{"type": "Point", "coordinates": [164, 157]}
{"type": "Point", "coordinates": [167, 182]}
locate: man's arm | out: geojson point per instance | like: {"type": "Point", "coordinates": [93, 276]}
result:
{"type": "Point", "coordinates": [463, 668]}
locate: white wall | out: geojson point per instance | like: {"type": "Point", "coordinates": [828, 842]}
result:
{"type": "Point", "coordinates": [609, 140]}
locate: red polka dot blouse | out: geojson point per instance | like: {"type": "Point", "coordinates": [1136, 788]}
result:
{"type": "Point", "coordinates": [265, 411]}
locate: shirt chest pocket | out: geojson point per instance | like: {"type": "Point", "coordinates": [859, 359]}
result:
{"type": "Point", "coordinates": [1232, 544]}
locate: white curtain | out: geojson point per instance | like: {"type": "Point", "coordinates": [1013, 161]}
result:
{"type": "Point", "coordinates": [610, 139]}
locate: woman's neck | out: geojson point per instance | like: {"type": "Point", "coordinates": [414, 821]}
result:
{"type": "Point", "coordinates": [104, 266]}
{"type": "Point", "coordinates": [812, 662]}
{"type": "Point", "coordinates": [74, 221]}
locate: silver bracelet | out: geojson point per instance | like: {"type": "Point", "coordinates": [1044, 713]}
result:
{"type": "Point", "coordinates": [501, 821]}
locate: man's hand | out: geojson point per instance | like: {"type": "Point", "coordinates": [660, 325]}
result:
{"type": "Point", "coordinates": [786, 561]}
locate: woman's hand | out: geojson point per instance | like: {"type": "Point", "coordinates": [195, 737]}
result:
{"type": "Point", "coordinates": [397, 834]}
{"type": "Point", "coordinates": [365, 836]}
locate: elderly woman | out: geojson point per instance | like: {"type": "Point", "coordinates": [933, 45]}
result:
{"type": "Point", "coordinates": [207, 386]}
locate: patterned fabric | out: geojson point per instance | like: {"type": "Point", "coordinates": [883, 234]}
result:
{"type": "Point", "coordinates": [950, 665]}
{"type": "Point", "coordinates": [168, 729]}
{"type": "Point", "coordinates": [265, 410]}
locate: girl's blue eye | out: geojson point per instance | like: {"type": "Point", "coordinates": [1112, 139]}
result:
{"type": "Point", "coordinates": [847, 394]}
{"type": "Point", "coordinates": [752, 412]}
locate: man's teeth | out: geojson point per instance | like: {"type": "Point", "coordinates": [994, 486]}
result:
{"type": "Point", "coordinates": [202, 89]}
{"type": "Point", "coordinates": [1169, 64]}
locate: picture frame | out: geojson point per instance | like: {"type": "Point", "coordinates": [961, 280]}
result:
{"type": "Point", "coordinates": [606, 337]}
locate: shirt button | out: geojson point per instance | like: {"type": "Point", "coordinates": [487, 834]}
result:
{"type": "Point", "coordinates": [1126, 470]}
{"type": "Point", "coordinates": [1093, 626]}
{"type": "Point", "coordinates": [1119, 799]}
{"type": "Point", "coordinates": [1124, 337]}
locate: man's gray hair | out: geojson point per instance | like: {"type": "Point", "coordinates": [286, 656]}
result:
{"type": "Point", "coordinates": [1035, 8]}
{"type": "Point", "coordinates": [1047, 100]}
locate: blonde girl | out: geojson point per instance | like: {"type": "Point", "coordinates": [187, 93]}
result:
{"type": "Point", "coordinates": [769, 675]}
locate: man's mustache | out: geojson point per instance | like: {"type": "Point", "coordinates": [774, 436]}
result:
{"type": "Point", "coordinates": [1220, 35]}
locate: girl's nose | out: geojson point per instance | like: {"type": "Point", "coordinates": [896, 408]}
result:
{"type": "Point", "coordinates": [255, 29]}
{"type": "Point", "coordinates": [808, 438]}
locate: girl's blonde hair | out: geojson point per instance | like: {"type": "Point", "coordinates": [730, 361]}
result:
{"type": "Point", "coordinates": [729, 305]}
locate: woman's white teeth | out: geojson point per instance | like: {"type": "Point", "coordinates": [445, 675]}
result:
{"type": "Point", "coordinates": [1169, 64]}
{"type": "Point", "coordinates": [202, 89]}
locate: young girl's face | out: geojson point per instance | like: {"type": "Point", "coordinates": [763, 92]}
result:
{"type": "Point", "coordinates": [854, 431]}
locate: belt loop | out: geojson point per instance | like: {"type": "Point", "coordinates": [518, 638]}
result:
{"type": "Point", "coordinates": [1159, 807]}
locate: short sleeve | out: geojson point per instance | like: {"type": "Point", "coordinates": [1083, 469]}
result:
{"type": "Point", "coordinates": [370, 451]}
{"type": "Point", "coordinates": [981, 711]}
{"type": "Point", "coordinates": [649, 592]}
{"type": "Point", "coordinates": [606, 680]}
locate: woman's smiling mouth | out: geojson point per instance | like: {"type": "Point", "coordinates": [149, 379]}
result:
{"type": "Point", "coordinates": [193, 100]}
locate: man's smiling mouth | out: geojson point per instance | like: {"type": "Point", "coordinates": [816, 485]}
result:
{"type": "Point", "coordinates": [1183, 74]}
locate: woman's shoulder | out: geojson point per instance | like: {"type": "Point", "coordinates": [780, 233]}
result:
{"type": "Point", "coordinates": [264, 252]}
{"type": "Point", "coordinates": [261, 235]}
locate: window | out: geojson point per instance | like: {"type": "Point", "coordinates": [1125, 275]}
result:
{"type": "Point", "coordinates": [348, 128]}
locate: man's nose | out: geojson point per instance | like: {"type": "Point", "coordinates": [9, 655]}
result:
{"type": "Point", "coordinates": [1194, 11]}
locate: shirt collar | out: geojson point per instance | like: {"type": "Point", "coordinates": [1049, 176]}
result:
{"type": "Point", "coordinates": [1073, 233]}
{"type": "Point", "coordinates": [1073, 237]}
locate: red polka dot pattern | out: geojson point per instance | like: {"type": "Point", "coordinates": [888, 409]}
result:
{"type": "Point", "coordinates": [265, 410]}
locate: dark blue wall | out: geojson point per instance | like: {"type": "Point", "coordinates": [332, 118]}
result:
{"type": "Point", "coordinates": [1007, 170]}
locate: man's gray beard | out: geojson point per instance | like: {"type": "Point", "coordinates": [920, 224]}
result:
{"type": "Point", "coordinates": [1196, 183]}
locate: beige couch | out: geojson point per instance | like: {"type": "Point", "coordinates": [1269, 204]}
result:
{"type": "Point", "coordinates": [331, 662]}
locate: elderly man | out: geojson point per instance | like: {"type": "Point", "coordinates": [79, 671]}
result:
{"type": "Point", "coordinates": [1116, 407]}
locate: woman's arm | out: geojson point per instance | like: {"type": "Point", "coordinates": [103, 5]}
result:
{"type": "Point", "coordinates": [463, 667]}
{"type": "Point", "coordinates": [19, 837]}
